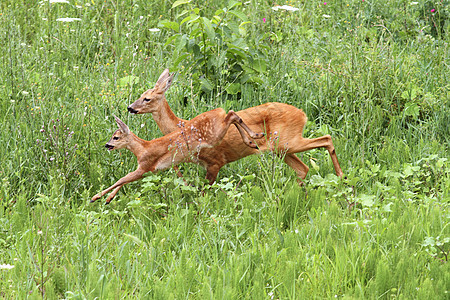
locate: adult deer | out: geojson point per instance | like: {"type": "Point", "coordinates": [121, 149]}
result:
{"type": "Point", "coordinates": [205, 130]}
{"type": "Point", "coordinates": [282, 123]}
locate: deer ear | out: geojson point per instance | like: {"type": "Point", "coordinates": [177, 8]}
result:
{"type": "Point", "coordinates": [165, 85]}
{"type": "Point", "coordinates": [162, 78]}
{"type": "Point", "coordinates": [122, 126]}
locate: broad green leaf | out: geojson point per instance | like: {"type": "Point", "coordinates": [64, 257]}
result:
{"type": "Point", "coordinates": [219, 12]}
{"type": "Point", "coordinates": [206, 85]}
{"type": "Point", "coordinates": [412, 109]}
{"type": "Point", "coordinates": [259, 65]}
{"type": "Point", "coordinates": [209, 29]}
{"type": "Point", "coordinates": [375, 168]}
{"type": "Point", "coordinates": [239, 14]}
{"type": "Point", "coordinates": [188, 188]}
{"type": "Point", "coordinates": [170, 25]}
{"type": "Point", "coordinates": [128, 80]}
{"type": "Point", "coordinates": [387, 207]}
{"type": "Point", "coordinates": [188, 18]}
{"type": "Point", "coordinates": [366, 200]}
{"type": "Point", "coordinates": [233, 88]}
{"type": "Point", "coordinates": [181, 43]}
{"type": "Point", "coordinates": [317, 180]}
{"type": "Point", "coordinates": [410, 170]}
{"type": "Point", "coordinates": [170, 39]}
{"type": "Point", "coordinates": [193, 19]}
{"type": "Point", "coordinates": [134, 203]}
{"type": "Point", "coordinates": [255, 79]}
{"type": "Point", "coordinates": [234, 4]}
{"type": "Point", "coordinates": [180, 2]}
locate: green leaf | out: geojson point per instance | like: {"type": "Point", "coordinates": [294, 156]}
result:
{"type": "Point", "coordinates": [259, 65]}
{"type": "Point", "coordinates": [128, 80]}
{"type": "Point", "coordinates": [429, 241]}
{"type": "Point", "coordinates": [411, 109]}
{"type": "Point", "coordinates": [180, 2]}
{"type": "Point", "coordinates": [239, 14]}
{"type": "Point", "coordinates": [314, 165]}
{"type": "Point", "coordinates": [178, 60]}
{"type": "Point", "coordinates": [135, 239]}
{"type": "Point", "coordinates": [317, 180]}
{"type": "Point", "coordinates": [206, 85]}
{"type": "Point", "coordinates": [188, 188]}
{"type": "Point", "coordinates": [233, 88]}
{"type": "Point", "coordinates": [233, 4]}
{"type": "Point", "coordinates": [170, 39]}
{"type": "Point", "coordinates": [366, 200]}
{"type": "Point", "coordinates": [170, 25]}
{"type": "Point", "coordinates": [181, 43]}
{"type": "Point", "coordinates": [209, 29]}
{"type": "Point", "coordinates": [219, 12]}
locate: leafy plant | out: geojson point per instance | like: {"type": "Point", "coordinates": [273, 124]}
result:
{"type": "Point", "coordinates": [216, 50]}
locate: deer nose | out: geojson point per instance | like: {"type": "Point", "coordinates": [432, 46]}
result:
{"type": "Point", "coordinates": [132, 110]}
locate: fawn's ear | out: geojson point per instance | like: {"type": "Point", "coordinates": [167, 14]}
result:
{"type": "Point", "coordinates": [164, 81]}
{"type": "Point", "coordinates": [122, 126]}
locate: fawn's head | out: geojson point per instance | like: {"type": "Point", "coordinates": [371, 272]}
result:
{"type": "Point", "coordinates": [151, 99]}
{"type": "Point", "coordinates": [121, 138]}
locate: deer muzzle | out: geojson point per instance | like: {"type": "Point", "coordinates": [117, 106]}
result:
{"type": "Point", "coordinates": [132, 110]}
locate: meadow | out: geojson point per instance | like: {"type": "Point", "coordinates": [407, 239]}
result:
{"type": "Point", "coordinates": [374, 74]}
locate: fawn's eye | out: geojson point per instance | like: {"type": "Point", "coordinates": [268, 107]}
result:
{"type": "Point", "coordinates": [115, 138]}
{"type": "Point", "coordinates": [147, 99]}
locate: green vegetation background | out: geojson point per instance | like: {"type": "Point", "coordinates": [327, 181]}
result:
{"type": "Point", "coordinates": [374, 74]}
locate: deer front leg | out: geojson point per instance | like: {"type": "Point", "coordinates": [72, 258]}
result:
{"type": "Point", "coordinates": [130, 177]}
{"type": "Point", "coordinates": [113, 194]}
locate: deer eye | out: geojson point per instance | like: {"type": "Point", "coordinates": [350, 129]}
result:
{"type": "Point", "coordinates": [147, 99]}
{"type": "Point", "coordinates": [115, 138]}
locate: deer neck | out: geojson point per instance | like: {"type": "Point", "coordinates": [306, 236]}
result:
{"type": "Point", "coordinates": [165, 118]}
{"type": "Point", "coordinates": [137, 145]}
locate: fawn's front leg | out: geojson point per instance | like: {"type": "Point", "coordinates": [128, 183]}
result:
{"type": "Point", "coordinates": [130, 177]}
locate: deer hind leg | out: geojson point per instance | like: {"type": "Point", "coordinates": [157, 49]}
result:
{"type": "Point", "coordinates": [321, 142]}
{"type": "Point", "coordinates": [244, 130]}
{"type": "Point", "coordinates": [299, 167]}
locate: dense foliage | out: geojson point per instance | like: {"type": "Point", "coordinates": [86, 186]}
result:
{"type": "Point", "coordinates": [372, 73]}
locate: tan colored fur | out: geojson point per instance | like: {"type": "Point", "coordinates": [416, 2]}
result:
{"type": "Point", "coordinates": [184, 144]}
{"type": "Point", "coordinates": [282, 123]}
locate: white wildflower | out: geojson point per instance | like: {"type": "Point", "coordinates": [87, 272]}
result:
{"type": "Point", "coordinates": [59, 1]}
{"type": "Point", "coordinates": [68, 19]}
{"type": "Point", "coordinates": [6, 266]}
{"type": "Point", "coordinates": [326, 16]}
{"type": "Point", "coordinates": [154, 30]}
{"type": "Point", "coordinates": [285, 7]}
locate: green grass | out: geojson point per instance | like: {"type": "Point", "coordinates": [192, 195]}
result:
{"type": "Point", "coordinates": [374, 75]}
